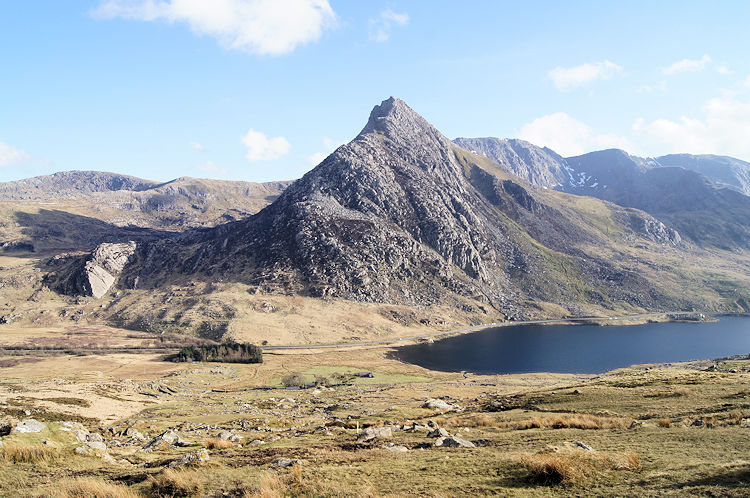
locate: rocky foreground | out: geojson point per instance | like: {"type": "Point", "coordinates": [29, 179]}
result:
{"type": "Point", "coordinates": [368, 426]}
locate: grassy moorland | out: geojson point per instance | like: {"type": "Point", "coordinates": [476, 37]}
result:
{"type": "Point", "coordinates": [692, 433]}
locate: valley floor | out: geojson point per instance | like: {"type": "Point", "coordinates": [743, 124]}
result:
{"type": "Point", "coordinates": [107, 421]}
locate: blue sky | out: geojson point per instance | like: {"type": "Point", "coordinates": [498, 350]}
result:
{"type": "Point", "coordinates": [260, 90]}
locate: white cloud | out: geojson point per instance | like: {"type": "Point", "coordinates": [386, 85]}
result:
{"type": "Point", "coordinates": [329, 146]}
{"type": "Point", "coordinates": [568, 136]}
{"type": "Point", "coordinates": [723, 128]}
{"type": "Point", "coordinates": [10, 155]}
{"type": "Point", "coordinates": [724, 70]}
{"type": "Point", "coordinates": [747, 81]}
{"type": "Point", "coordinates": [262, 148]}
{"type": "Point", "coordinates": [687, 65]}
{"type": "Point", "coordinates": [380, 27]}
{"type": "Point", "coordinates": [271, 27]}
{"type": "Point", "coordinates": [567, 79]}
{"type": "Point", "coordinates": [196, 145]}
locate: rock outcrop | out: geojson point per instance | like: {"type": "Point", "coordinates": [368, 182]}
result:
{"type": "Point", "coordinates": [100, 272]}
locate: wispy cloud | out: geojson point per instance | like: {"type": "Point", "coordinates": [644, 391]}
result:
{"type": "Point", "coordinates": [329, 145]}
{"type": "Point", "coordinates": [658, 87]}
{"type": "Point", "coordinates": [381, 26]}
{"type": "Point", "coordinates": [196, 145]}
{"type": "Point", "coordinates": [724, 70]}
{"type": "Point", "coordinates": [262, 148]}
{"type": "Point", "coordinates": [687, 65]}
{"type": "Point", "coordinates": [568, 78]}
{"type": "Point", "coordinates": [10, 156]}
{"type": "Point", "coordinates": [211, 168]}
{"type": "Point", "coordinates": [568, 136]}
{"type": "Point", "coordinates": [268, 27]}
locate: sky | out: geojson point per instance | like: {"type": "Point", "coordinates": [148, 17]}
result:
{"type": "Point", "coordinates": [263, 90]}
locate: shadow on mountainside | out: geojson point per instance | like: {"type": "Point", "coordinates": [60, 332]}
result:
{"type": "Point", "coordinates": [52, 230]}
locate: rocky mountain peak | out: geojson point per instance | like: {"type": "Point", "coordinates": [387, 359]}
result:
{"type": "Point", "coordinates": [394, 119]}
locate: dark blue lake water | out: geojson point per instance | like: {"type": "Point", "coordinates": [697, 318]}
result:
{"type": "Point", "coordinates": [580, 348]}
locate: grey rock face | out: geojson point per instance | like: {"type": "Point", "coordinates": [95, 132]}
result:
{"type": "Point", "coordinates": [103, 267]}
{"type": "Point", "coordinates": [29, 425]}
{"type": "Point", "coordinates": [539, 166]}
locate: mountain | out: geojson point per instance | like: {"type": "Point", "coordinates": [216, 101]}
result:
{"type": "Point", "coordinates": [71, 184]}
{"type": "Point", "coordinates": [539, 166]}
{"type": "Point", "coordinates": [396, 230]}
{"type": "Point", "coordinates": [401, 215]}
{"type": "Point", "coordinates": [687, 192]}
{"type": "Point", "coordinates": [76, 210]}
{"type": "Point", "coordinates": [721, 170]}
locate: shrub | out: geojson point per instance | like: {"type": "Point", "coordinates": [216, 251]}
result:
{"type": "Point", "coordinates": [90, 488]}
{"type": "Point", "coordinates": [174, 484]}
{"type": "Point", "coordinates": [294, 379]}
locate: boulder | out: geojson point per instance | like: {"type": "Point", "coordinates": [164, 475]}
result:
{"type": "Point", "coordinates": [396, 448]}
{"type": "Point", "coordinates": [453, 442]}
{"type": "Point", "coordinates": [286, 462]}
{"type": "Point", "coordinates": [375, 432]}
{"type": "Point", "coordinates": [5, 428]}
{"type": "Point", "coordinates": [193, 458]}
{"type": "Point", "coordinates": [439, 432]}
{"type": "Point", "coordinates": [168, 437]}
{"type": "Point", "coordinates": [28, 425]}
{"type": "Point", "coordinates": [437, 404]}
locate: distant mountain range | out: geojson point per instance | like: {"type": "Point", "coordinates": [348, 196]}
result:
{"type": "Point", "coordinates": [703, 197]}
{"type": "Point", "coordinates": [402, 215]}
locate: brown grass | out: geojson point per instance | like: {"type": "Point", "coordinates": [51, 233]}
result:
{"type": "Point", "coordinates": [90, 488]}
{"type": "Point", "coordinates": [473, 420]}
{"type": "Point", "coordinates": [576, 467]}
{"type": "Point", "coordinates": [215, 443]}
{"type": "Point", "coordinates": [569, 421]}
{"type": "Point", "coordinates": [664, 422]}
{"type": "Point", "coordinates": [26, 453]}
{"type": "Point", "coordinates": [269, 486]}
{"type": "Point", "coordinates": [174, 483]}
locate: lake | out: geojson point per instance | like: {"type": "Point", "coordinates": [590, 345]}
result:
{"type": "Point", "coordinates": [580, 348]}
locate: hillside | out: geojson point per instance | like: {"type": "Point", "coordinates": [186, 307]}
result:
{"type": "Point", "coordinates": [77, 210]}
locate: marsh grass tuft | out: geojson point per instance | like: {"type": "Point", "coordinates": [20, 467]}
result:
{"type": "Point", "coordinates": [174, 483]}
{"type": "Point", "coordinates": [90, 488]}
{"type": "Point", "coordinates": [215, 443]}
{"type": "Point", "coordinates": [576, 467]}
{"type": "Point", "coordinates": [569, 421]}
{"type": "Point", "coordinates": [26, 453]}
